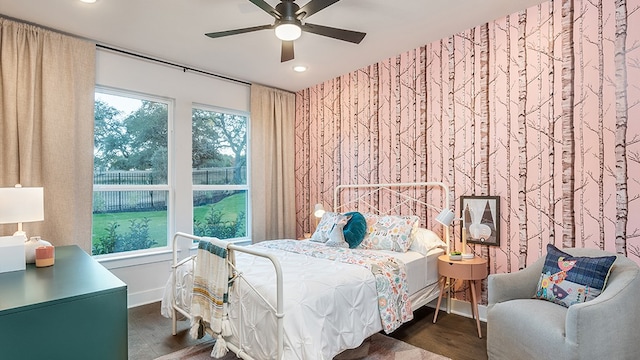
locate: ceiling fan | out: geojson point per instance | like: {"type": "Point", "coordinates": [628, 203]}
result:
{"type": "Point", "coordinates": [288, 24]}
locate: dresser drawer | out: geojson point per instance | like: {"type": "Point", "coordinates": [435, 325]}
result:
{"type": "Point", "coordinates": [473, 269]}
{"type": "Point", "coordinates": [454, 269]}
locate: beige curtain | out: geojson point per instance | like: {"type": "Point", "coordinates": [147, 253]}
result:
{"type": "Point", "coordinates": [47, 83]}
{"type": "Point", "coordinates": [272, 164]}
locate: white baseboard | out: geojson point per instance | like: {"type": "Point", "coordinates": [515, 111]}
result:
{"type": "Point", "coordinates": [462, 308]}
{"type": "Point", "coordinates": [144, 297]}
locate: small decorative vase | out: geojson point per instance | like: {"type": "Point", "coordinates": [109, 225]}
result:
{"type": "Point", "coordinates": [30, 248]}
{"type": "Point", "coordinates": [45, 256]}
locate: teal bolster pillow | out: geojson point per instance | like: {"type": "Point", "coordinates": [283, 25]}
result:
{"type": "Point", "coordinates": [355, 229]}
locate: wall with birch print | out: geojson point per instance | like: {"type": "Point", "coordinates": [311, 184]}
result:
{"type": "Point", "coordinates": [537, 107]}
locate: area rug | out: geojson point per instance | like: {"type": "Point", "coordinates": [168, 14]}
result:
{"type": "Point", "coordinates": [377, 347]}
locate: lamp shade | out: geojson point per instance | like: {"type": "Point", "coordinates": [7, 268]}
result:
{"type": "Point", "coordinates": [445, 217]}
{"type": "Point", "coordinates": [21, 204]}
{"type": "Point", "coordinates": [318, 210]}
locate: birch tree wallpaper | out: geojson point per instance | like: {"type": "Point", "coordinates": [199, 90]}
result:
{"type": "Point", "coordinates": [539, 108]}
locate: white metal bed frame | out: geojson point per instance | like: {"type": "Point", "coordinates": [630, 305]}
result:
{"type": "Point", "coordinates": [392, 189]}
{"type": "Point", "coordinates": [278, 308]}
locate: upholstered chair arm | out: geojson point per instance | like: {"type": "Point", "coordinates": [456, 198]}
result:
{"type": "Point", "coordinates": [611, 318]}
{"type": "Point", "coordinates": [516, 285]}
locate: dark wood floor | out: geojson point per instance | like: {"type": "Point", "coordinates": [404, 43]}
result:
{"type": "Point", "coordinates": [452, 336]}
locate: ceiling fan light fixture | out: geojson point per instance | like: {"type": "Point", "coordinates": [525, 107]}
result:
{"type": "Point", "coordinates": [288, 24]}
{"type": "Point", "coordinates": [288, 31]}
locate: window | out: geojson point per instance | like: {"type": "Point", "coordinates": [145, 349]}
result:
{"type": "Point", "coordinates": [219, 175]}
{"type": "Point", "coordinates": [131, 189]}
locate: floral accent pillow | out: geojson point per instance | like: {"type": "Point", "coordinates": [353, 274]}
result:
{"type": "Point", "coordinates": [568, 280]}
{"type": "Point", "coordinates": [390, 232]}
{"type": "Point", "coordinates": [371, 219]}
{"type": "Point", "coordinates": [324, 227]}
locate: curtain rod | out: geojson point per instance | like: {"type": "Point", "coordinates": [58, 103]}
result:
{"type": "Point", "coordinates": [184, 68]}
{"type": "Point", "coordinates": [106, 47]}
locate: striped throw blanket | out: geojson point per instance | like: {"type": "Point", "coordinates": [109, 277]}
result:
{"type": "Point", "coordinates": [210, 290]}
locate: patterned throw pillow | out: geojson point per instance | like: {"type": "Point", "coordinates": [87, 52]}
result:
{"type": "Point", "coordinates": [390, 233]}
{"type": "Point", "coordinates": [370, 219]}
{"type": "Point", "coordinates": [336, 236]}
{"type": "Point", "coordinates": [324, 227]}
{"type": "Point", "coordinates": [568, 280]}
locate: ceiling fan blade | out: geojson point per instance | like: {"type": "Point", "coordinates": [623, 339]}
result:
{"type": "Point", "coordinates": [238, 31]}
{"type": "Point", "coordinates": [287, 51]}
{"type": "Point", "coordinates": [313, 7]}
{"type": "Point", "coordinates": [340, 34]}
{"type": "Point", "coordinates": [267, 8]}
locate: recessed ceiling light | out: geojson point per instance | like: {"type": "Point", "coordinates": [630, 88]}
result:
{"type": "Point", "coordinates": [88, 1]}
{"type": "Point", "coordinates": [299, 68]}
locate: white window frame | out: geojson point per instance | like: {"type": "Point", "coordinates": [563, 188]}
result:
{"type": "Point", "coordinates": [246, 187]}
{"type": "Point", "coordinates": [169, 187]}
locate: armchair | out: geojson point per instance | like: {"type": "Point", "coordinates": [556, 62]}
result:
{"type": "Point", "coordinates": [521, 327]}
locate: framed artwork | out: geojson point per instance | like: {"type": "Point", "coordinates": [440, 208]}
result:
{"type": "Point", "coordinates": [480, 219]}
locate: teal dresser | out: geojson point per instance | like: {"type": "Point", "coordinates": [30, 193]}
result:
{"type": "Point", "coordinates": [75, 309]}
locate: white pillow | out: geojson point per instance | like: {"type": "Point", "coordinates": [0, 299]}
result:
{"type": "Point", "coordinates": [425, 240]}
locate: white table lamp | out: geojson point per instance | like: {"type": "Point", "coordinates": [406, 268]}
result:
{"type": "Point", "coordinates": [318, 212]}
{"type": "Point", "coordinates": [446, 217]}
{"type": "Point", "coordinates": [21, 204]}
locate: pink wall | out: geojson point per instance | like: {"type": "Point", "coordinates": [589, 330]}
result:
{"type": "Point", "coordinates": [483, 110]}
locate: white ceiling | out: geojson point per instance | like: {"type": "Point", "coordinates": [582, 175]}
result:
{"type": "Point", "coordinates": [173, 30]}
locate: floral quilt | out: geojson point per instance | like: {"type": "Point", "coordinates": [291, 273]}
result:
{"type": "Point", "coordinates": [389, 273]}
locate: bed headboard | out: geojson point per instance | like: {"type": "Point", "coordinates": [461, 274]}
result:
{"type": "Point", "coordinates": [424, 199]}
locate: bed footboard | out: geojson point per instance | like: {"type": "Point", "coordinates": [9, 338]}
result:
{"type": "Point", "coordinates": [277, 308]}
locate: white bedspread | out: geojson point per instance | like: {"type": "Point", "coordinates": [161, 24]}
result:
{"type": "Point", "coordinates": [329, 306]}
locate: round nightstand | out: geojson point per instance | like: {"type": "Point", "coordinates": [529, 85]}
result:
{"type": "Point", "coordinates": [469, 270]}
